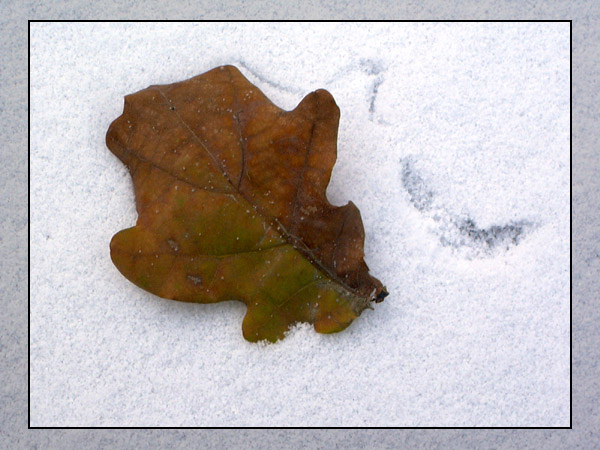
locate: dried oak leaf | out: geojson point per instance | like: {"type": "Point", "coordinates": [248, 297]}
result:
{"type": "Point", "coordinates": [230, 195]}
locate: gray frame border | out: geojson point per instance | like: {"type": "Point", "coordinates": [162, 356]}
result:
{"type": "Point", "coordinates": [585, 252]}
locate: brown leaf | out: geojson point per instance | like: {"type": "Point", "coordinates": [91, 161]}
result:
{"type": "Point", "coordinates": [230, 194]}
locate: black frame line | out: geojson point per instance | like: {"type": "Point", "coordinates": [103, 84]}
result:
{"type": "Point", "coordinates": [29, 225]}
{"type": "Point", "coordinates": [304, 21]}
{"type": "Point", "coordinates": [29, 22]}
{"type": "Point", "coordinates": [571, 223]}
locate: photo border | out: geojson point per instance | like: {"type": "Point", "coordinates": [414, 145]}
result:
{"type": "Point", "coordinates": [296, 427]}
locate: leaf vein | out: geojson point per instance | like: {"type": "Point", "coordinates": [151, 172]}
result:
{"type": "Point", "coordinates": [196, 255]}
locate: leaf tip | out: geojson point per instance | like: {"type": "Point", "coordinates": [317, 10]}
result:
{"type": "Point", "coordinates": [319, 105]}
{"type": "Point", "coordinates": [382, 295]}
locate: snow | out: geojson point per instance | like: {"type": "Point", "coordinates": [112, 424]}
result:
{"type": "Point", "coordinates": [453, 143]}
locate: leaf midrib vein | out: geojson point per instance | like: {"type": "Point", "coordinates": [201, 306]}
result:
{"type": "Point", "coordinates": [331, 275]}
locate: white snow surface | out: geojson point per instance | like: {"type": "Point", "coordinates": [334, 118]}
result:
{"type": "Point", "coordinates": [453, 143]}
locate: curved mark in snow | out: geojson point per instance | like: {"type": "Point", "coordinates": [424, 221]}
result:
{"type": "Point", "coordinates": [460, 233]}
